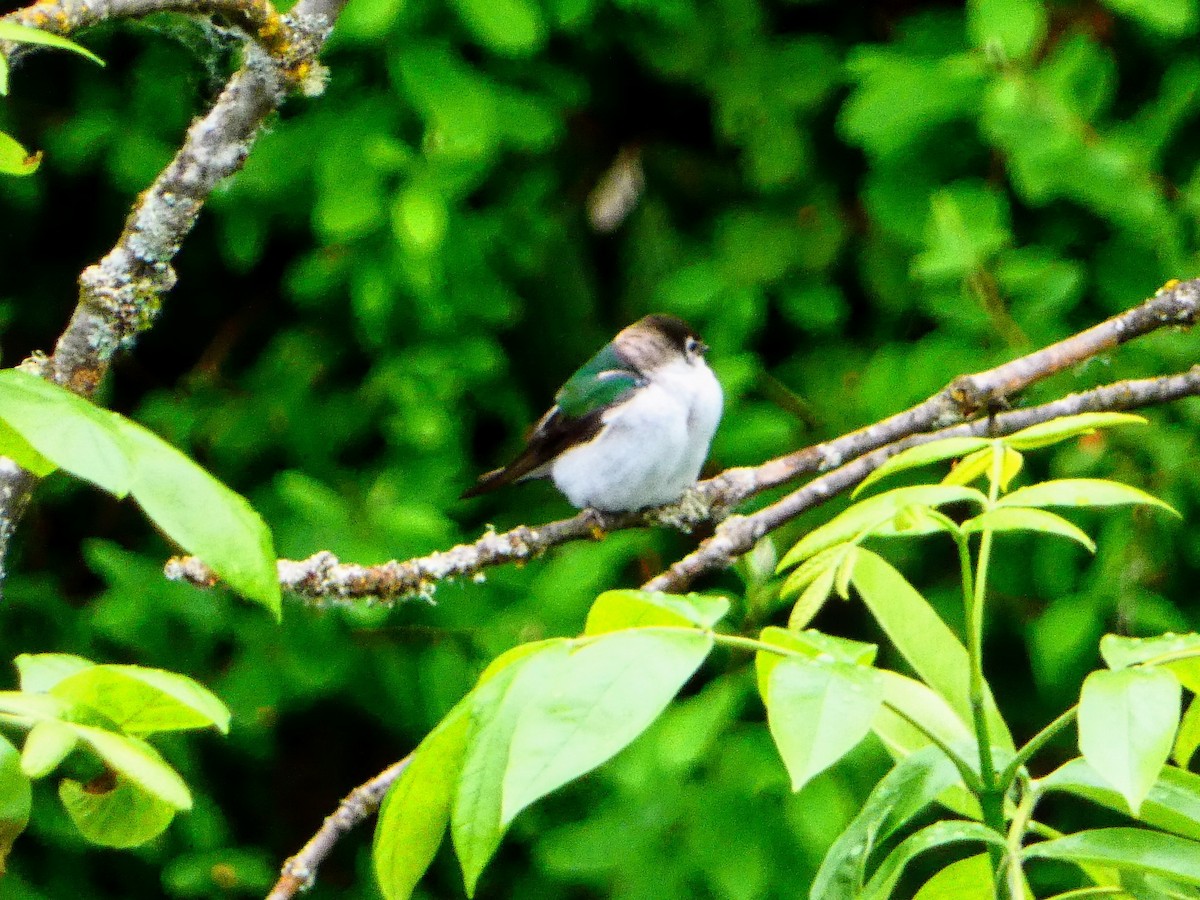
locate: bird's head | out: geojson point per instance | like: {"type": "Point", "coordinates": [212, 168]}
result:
{"type": "Point", "coordinates": [659, 340]}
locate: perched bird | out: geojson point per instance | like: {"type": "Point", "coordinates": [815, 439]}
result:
{"type": "Point", "coordinates": [630, 429]}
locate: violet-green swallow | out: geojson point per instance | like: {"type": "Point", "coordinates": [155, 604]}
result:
{"type": "Point", "coordinates": [630, 429]}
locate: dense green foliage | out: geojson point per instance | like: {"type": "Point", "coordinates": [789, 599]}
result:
{"type": "Point", "coordinates": [851, 202]}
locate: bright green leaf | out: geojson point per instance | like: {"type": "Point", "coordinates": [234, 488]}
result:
{"type": "Point", "coordinates": [41, 671]}
{"type": "Point", "coordinates": [918, 703]}
{"type": "Point", "coordinates": [11, 31]}
{"type": "Point", "coordinates": [812, 599]}
{"type": "Point", "coordinates": [921, 637]}
{"type": "Point", "coordinates": [507, 27]}
{"type": "Point", "coordinates": [812, 569]}
{"type": "Point", "coordinates": [924, 455]}
{"type": "Point", "coordinates": [970, 468]}
{"type": "Point", "coordinates": [122, 817]}
{"type": "Point", "coordinates": [1128, 849]}
{"type": "Point", "coordinates": [601, 697]}
{"type": "Point", "coordinates": [495, 704]}
{"type": "Point", "coordinates": [1127, 722]}
{"type": "Point", "coordinates": [21, 451]}
{"type": "Point", "coordinates": [1044, 434]}
{"type": "Point", "coordinates": [1188, 738]}
{"type": "Point", "coordinates": [203, 516]}
{"type": "Point", "coordinates": [1173, 803]}
{"type": "Point", "coordinates": [1012, 518]}
{"type": "Point", "coordinates": [1173, 18]}
{"type": "Point", "coordinates": [144, 701]}
{"type": "Point", "coordinates": [621, 609]}
{"type": "Point", "coordinates": [811, 644]}
{"type": "Point", "coordinates": [1178, 652]}
{"type": "Point", "coordinates": [32, 707]}
{"type": "Point", "coordinates": [1081, 492]}
{"type": "Point", "coordinates": [414, 814]}
{"type": "Point", "coordinates": [1016, 26]}
{"type": "Point", "coordinates": [137, 761]}
{"type": "Point", "coordinates": [15, 159]}
{"type": "Point", "coordinates": [67, 430]}
{"type": "Point", "coordinates": [818, 711]}
{"type": "Point", "coordinates": [905, 791]}
{"type": "Point", "coordinates": [16, 799]}
{"type": "Point", "coordinates": [936, 835]}
{"type": "Point", "coordinates": [875, 512]}
{"type": "Point", "coordinates": [965, 879]}
{"type": "Point", "coordinates": [46, 745]}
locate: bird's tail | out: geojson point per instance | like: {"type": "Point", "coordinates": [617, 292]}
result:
{"type": "Point", "coordinates": [488, 482]}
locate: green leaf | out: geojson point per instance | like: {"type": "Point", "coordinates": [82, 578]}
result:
{"type": "Point", "coordinates": [46, 745]}
{"type": "Point", "coordinates": [874, 513]}
{"type": "Point", "coordinates": [1044, 434]}
{"type": "Point", "coordinates": [3, 75]}
{"type": "Point", "coordinates": [921, 637]}
{"type": "Point", "coordinates": [123, 816]}
{"type": "Point", "coordinates": [924, 455]}
{"type": "Point", "coordinates": [203, 516]}
{"type": "Point", "coordinates": [1188, 738]}
{"type": "Point", "coordinates": [1081, 492]}
{"type": "Point", "coordinates": [1173, 803]}
{"type": "Point", "coordinates": [21, 451]}
{"type": "Point", "coordinates": [1013, 518]}
{"type": "Point", "coordinates": [15, 159]}
{"type": "Point", "coordinates": [415, 812]}
{"type": "Point", "coordinates": [965, 879]}
{"type": "Point", "coordinates": [905, 791]}
{"type": "Point", "coordinates": [32, 707]}
{"type": "Point", "coordinates": [599, 698]}
{"type": "Point", "coordinates": [16, 799]}
{"type": "Point", "coordinates": [137, 761]}
{"type": "Point", "coordinates": [621, 609]}
{"type": "Point", "coordinates": [508, 27]}
{"type": "Point", "coordinates": [1128, 849]}
{"type": "Point", "coordinates": [144, 701]}
{"type": "Point", "coordinates": [67, 430]}
{"type": "Point", "coordinates": [41, 671]}
{"type": "Point", "coordinates": [818, 711]}
{"type": "Point", "coordinates": [1016, 26]}
{"type": "Point", "coordinates": [811, 644]}
{"type": "Point", "coordinates": [495, 704]}
{"type": "Point", "coordinates": [920, 704]}
{"type": "Point", "coordinates": [11, 31]}
{"type": "Point", "coordinates": [936, 835]}
{"type": "Point", "coordinates": [1127, 722]}
{"type": "Point", "coordinates": [813, 569]}
{"type": "Point", "coordinates": [1173, 18]}
{"type": "Point", "coordinates": [812, 599]}
{"type": "Point", "coordinates": [1120, 652]}
{"type": "Point", "coordinates": [970, 468]}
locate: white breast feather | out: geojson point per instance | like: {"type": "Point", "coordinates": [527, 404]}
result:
{"type": "Point", "coordinates": [652, 446]}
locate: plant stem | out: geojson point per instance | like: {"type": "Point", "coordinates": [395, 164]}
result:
{"type": "Point", "coordinates": [1013, 876]}
{"type": "Point", "coordinates": [1036, 743]}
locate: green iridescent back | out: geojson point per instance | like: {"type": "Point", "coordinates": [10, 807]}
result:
{"type": "Point", "coordinates": [601, 381]}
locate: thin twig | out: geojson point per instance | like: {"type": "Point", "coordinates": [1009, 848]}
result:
{"type": "Point", "coordinates": [361, 803]}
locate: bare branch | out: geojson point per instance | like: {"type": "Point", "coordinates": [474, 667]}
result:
{"type": "Point", "coordinates": [300, 871]}
{"type": "Point", "coordinates": [738, 534]}
{"type": "Point", "coordinates": [323, 580]}
{"type": "Point", "coordinates": [120, 296]}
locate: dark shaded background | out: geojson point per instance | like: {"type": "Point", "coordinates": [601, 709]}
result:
{"type": "Point", "coordinates": [853, 202]}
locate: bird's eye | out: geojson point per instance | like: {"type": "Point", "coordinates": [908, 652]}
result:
{"type": "Point", "coordinates": [694, 347]}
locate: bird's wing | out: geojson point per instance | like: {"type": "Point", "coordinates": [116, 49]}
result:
{"type": "Point", "coordinates": [600, 382]}
{"type": "Point", "coordinates": [576, 418]}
